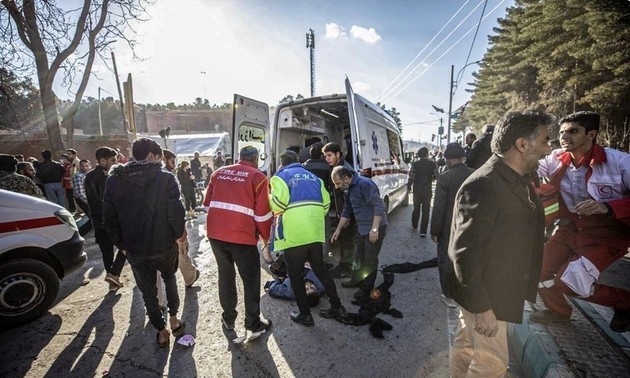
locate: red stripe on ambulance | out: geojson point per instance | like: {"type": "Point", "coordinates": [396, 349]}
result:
{"type": "Point", "coordinates": [28, 224]}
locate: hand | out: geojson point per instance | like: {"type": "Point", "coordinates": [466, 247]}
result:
{"type": "Point", "coordinates": [434, 238]}
{"type": "Point", "coordinates": [183, 238]}
{"type": "Point", "coordinates": [335, 235]}
{"type": "Point", "coordinates": [590, 207]}
{"type": "Point", "coordinates": [373, 236]}
{"type": "Point", "coordinates": [486, 323]}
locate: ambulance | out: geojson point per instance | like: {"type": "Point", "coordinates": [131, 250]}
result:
{"type": "Point", "coordinates": [367, 135]}
{"type": "Point", "coordinates": [39, 245]}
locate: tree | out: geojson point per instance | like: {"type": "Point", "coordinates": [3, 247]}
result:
{"type": "Point", "coordinates": [43, 38]}
{"type": "Point", "coordinates": [395, 114]}
{"type": "Point", "coordinates": [19, 101]}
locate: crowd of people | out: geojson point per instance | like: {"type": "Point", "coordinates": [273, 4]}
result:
{"type": "Point", "coordinates": [487, 221]}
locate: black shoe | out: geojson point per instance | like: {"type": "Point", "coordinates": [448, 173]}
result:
{"type": "Point", "coordinates": [351, 283]}
{"type": "Point", "coordinates": [263, 325]}
{"type": "Point", "coordinates": [306, 320]}
{"type": "Point", "coordinates": [423, 235]}
{"type": "Point", "coordinates": [227, 325]}
{"type": "Point", "coordinates": [340, 271]}
{"type": "Point", "coordinates": [547, 317]}
{"type": "Point", "coordinates": [330, 313]}
{"type": "Point", "coordinates": [621, 321]}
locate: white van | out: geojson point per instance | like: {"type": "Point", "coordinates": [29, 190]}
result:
{"type": "Point", "coordinates": [39, 245]}
{"type": "Point", "coordinates": [367, 135]}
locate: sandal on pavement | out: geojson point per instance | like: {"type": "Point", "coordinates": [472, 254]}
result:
{"type": "Point", "coordinates": [179, 331]}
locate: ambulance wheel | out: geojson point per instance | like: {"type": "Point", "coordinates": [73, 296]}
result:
{"type": "Point", "coordinates": [386, 204]}
{"type": "Point", "coordinates": [28, 288]}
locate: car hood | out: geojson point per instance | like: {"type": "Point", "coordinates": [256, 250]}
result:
{"type": "Point", "coordinates": [10, 201]}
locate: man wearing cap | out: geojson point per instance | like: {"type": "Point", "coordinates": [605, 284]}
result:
{"type": "Point", "coordinates": [421, 177]}
{"type": "Point", "coordinates": [237, 199]}
{"type": "Point", "coordinates": [10, 180]}
{"type": "Point", "coordinates": [448, 184]}
{"type": "Point", "coordinates": [144, 216]}
{"type": "Point", "coordinates": [480, 151]}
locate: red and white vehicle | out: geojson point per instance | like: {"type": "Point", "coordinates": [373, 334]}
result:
{"type": "Point", "coordinates": [39, 245]}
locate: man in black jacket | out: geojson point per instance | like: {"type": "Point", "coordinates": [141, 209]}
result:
{"type": "Point", "coordinates": [480, 151]}
{"type": "Point", "coordinates": [317, 166]}
{"type": "Point", "coordinates": [496, 245]}
{"type": "Point", "coordinates": [94, 189]}
{"type": "Point", "coordinates": [143, 215]}
{"type": "Point", "coordinates": [421, 177]}
{"type": "Point", "coordinates": [448, 184]}
{"type": "Point", "coordinates": [50, 173]}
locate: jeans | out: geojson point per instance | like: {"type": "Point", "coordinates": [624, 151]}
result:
{"type": "Point", "coordinates": [56, 193]}
{"type": "Point", "coordinates": [295, 258]}
{"type": "Point", "coordinates": [367, 259]}
{"type": "Point", "coordinates": [421, 201]}
{"type": "Point", "coordinates": [247, 261]}
{"type": "Point", "coordinates": [112, 265]}
{"type": "Point", "coordinates": [144, 270]}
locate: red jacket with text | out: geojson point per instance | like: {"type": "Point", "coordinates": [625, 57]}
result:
{"type": "Point", "coordinates": [238, 204]}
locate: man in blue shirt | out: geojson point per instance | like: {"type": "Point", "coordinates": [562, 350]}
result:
{"type": "Point", "coordinates": [363, 201]}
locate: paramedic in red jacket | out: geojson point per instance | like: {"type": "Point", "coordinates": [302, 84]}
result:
{"type": "Point", "coordinates": [238, 215]}
{"type": "Point", "coordinates": [594, 223]}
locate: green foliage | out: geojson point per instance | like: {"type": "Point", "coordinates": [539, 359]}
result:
{"type": "Point", "coordinates": [20, 106]}
{"type": "Point", "coordinates": [559, 56]}
{"type": "Point", "coordinates": [395, 114]}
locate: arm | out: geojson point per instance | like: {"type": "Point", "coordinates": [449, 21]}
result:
{"type": "Point", "coordinates": [370, 191]}
{"type": "Point", "coordinates": [325, 198]}
{"type": "Point", "coordinates": [343, 222]}
{"type": "Point", "coordinates": [175, 211]}
{"type": "Point", "coordinates": [111, 224]}
{"type": "Point", "coordinates": [262, 212]}
{"type": "Point", "coordinates": [412, 176]}
{"type": "Point", "coordinates": [439, 206]}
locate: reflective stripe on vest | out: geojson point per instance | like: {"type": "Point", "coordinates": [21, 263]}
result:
{"type": "Point", "coordinates": [240, 209]}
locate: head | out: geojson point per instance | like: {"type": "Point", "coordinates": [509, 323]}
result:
{"type": "Point", "coordinates": [46, 155]}
{"type": "Point", "coordinates": [554, 144]}
{"type": "Point", "coordinates": [196, 154]}
{"type": "Point", "coordinates": [470, 139]}
{"type": "Point", "coordinates": [106, 157]}
{"type": "Point", "coordinates": [288, 157]}
{"type": "Point", "coordinates": [184, 165]}
{"type": "Point", "coordinates": [332, 154]}
{"type": "Point", "coordinates": [7, 163]}
{"type": "Point", "coordinates": [146, 149]}
{"type": "Point", "coordinates": [19, 158]}
{"type": "Point", "coordinates": [72, 153]}
{"type": "Point", "coordinates": [341, 177]}
{"type": "Point", "coordinates": [454, 154]}
{"type": "Point", "coordinates": [64, 158]}
{"type": "Point", "coordinates": [169, 159]}
{"type": "Point", "coordinates": [26, 169]}
{"type": "Point", "coordinates": [247, 153]}
{"type": "Point", "coordinates": [423, 153]}
{"type": "Point", "coordinates": [578, 131]}
{"type": "Point", "coordinates": [311, 293]}
{"type": "Point", "coordinates": [85, 165]}
{"type": "Point", "coordinates": [487, 129]}
{"type": "Point", "coordinates": [316, 151]}
{"type": "Point", "coordinates": [524, 136]}
{"type": "Point", "coordinates": [313, 140]}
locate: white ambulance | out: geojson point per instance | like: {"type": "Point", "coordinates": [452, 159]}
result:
{"type": "Point", "coordinates": [367, 135]}
{"type": "Point", "coordinates": [39, 245]}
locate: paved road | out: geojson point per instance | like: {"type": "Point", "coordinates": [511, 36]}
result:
{"type": "Point", "coordinates": [91, 332]}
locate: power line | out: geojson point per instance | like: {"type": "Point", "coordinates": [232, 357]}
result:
{"type": "Point", "coordinates": [471, 45]}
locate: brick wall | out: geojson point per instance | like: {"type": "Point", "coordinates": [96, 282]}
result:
{"type": "Point", "coordinates": [85, 145]}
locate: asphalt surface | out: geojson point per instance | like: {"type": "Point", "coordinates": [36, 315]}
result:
{"type": "Point", "coordinates": [93, 333]}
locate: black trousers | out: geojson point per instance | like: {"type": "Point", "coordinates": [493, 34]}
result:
{"type": "Point", "coordinates": [367, 259]}
{"type": "Point", "coordinates": [421, 201]}
{"type": "Point", "coordinates": [144, 270]}
{"type": "Point", "coordinates": [190, 201]}
{"type": "Point", "coordinates": [295, 258]}
{"type": "Point", "coordinates": [112, 265]}
{"type": "Point", "coordinates": [72, 206]}
{"type": "Point", "coordinates": [445, 267]}
{"type": "Point", "coordinates": [247, 260]}
{"type": "Point", "coordinates": [347, 249]}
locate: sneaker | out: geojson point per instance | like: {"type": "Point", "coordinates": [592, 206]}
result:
{"type": "Point", "coordinates": [227, 325]}
{"type": "Point", "coordinates": [351, 283]}
{"type": "Point", "coordinates": [332, 312]}
{"type": "Point", "coordinates": [264, 325]}
{"type": "Point", "coordinates": [423, 235]}
{"type": "Point", "coordinates": [306, 320]}
{"type": "Point", "coordinates": [340, 271]}
{"type": "Point", "coordinates": [448, 301]}
{"type": "Point", "coordinates": [621, 321]}
{"type": "Point", "coordinates": [547, 317]}
{"type": "Point", "coordinates": [113, 280]}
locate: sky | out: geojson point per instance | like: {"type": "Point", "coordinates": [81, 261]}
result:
{"type": "Point", "coordinates": [215, 48]}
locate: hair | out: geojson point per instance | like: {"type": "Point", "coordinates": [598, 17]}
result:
{"type": "Point", "coordinates": [586, 119]}
{"type": "Point", "coordinates": [195, 153]}
{"type": "Point", "coordinates": [83, 161]}
{"type": "Point", "coordinates": [143, 147]}
{"type": "Point", "coordinates": [516, 125]}
{"type": "Point", "coordinates": [288, 157]}
{"type": "Point", "coordinates": [21, 167]}
{"type": "Point", "coordinates": [7, 163]}
{"type": "Point", "coordinates": [168, 154]}
{"type": "Point", "coordinates": [312, 296]}
{"type": "Point", "coordinates": [72, 151]}
{"type": "Point", "coordinates": [313, 140]}
{"type": "Point", "coordinates": [332, 147]}
{"type": "Point", "coordinates": [65, 156]}
{"type": "Point", "coordinates": [341, 172]}
{"type": "Point", "coordinates": [105, 153]}
{"type": "Point", "coordinates": [316, 150]}
{"type": "Point", "coordinates": [47, 155]}
{"type": "Point", "coordinates": [423, 152]}
{"type": "Point", "coordinates": [183, 164]}
{"type": "Point", "coordinates": [19, 156]}
{"type": "Point", "coordinates": [487, 129]}
{"type": "Point", "coordinates": [247, 153]}
{"type": "Point", "coordinates": [473, 135]}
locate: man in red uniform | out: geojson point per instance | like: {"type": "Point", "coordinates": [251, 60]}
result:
{"type": "Point", "coordinates": [594, 227]}
{"type": "Point", "coordinates": [238, 214]}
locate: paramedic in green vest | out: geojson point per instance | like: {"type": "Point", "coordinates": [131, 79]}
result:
{"type": "Point", "coordinates": [300, 202]}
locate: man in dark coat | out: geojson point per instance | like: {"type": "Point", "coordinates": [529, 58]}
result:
{"type": "Point", "coordinates": [496, 245]}
{"type": "Point", "coordinates": [421, 176]}
{"type": "Point", "coordinates": [480, 151]}
{"type": "Point", "coordinates": [448, 184]}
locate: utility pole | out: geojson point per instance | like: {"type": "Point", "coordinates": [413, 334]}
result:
{"type": "Point", "coordinates": [100, 120]}
{"type": "Point", "coordinates": [310, 44]}
{"type": "Point", "coordinates": [450, 107]}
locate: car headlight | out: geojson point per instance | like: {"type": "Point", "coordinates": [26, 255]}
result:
{"type": "Point", "coordinates": [67, 218]}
